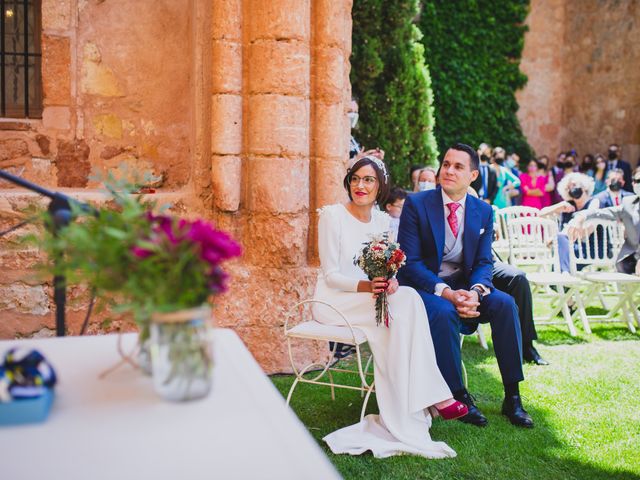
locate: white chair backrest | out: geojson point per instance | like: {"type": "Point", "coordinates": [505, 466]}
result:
{"type": "Point", "coordinates": [599, 246]}
{"type": "Point", "coordinates": [534, 241]}
{"type": "Point", "coordinates": [508, 213]}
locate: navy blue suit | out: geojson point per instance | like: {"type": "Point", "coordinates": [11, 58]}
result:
{"type": "Point", "coordinates": [422, 237]}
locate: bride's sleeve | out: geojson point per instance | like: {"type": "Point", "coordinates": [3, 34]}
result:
{"type": "Point", "coordinates": [329, 251]}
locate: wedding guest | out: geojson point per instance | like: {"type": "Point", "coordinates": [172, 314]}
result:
{"type": "Point", "coordinates": [588, 165]}
{"type": "Point", "coordinates": [550, 185]}
{"type": "Point", "coordinates": [414, 173]}
{"type": "Point", "coordinates": [615, 161]}
{"type": "Point", "coordinates": [393, 206]}
{"type": "Point", "coordinates": [600, 174]}
{"type": "Point", "coordinates": [557, 171]}
{"type": "Point", "coordinates": [406, 374]}
{"type": "Point", "coordinates": [628, 260]}
{"type": "Point", "coordinates": [486, 184]}
{"type": "Point", "coordinates": [507, 182]}
{"type": "Point", "coordinates": [533, 184]}
{"type": "Point", "coordinates": [426, 179]}
{"type": "Point", "coordinates": [446, 234]}
{"type": "Point", "coordinates": [576, 190]}
{"type": "Point", "coordinates": [613, 195]}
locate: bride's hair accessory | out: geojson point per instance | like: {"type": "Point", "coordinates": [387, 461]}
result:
{"type": "Point", "coordinates": [379, 163]}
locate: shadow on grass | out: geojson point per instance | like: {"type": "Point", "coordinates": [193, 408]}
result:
{"type": "Point", "coordinates": [499, 451]}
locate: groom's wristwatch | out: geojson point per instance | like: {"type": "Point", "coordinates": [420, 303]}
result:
{"type": "Point", "coordinates": [480, 293]}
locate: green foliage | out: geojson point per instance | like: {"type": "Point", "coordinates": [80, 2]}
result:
{"type": "Point", "coordinates": [473, 49]}
{"type": "Point", "coordinates": [392, 85]}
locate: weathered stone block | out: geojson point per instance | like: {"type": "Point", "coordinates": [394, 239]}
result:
{"type": "Point", "coordinates": [56, 118]}
{"type": "Point", "coordinates": [279, 67]}
{"type": "Point", "coordinates": [225, 182]}
{"type": "Point", "coordinates": [275, 240]}
{"type": "Point", "coordinates": [330, 72]}
{"type": "Point", "coordinates": [11, 148]}
{"type": "Point", "coordinates": [328, 131]}
{"type": "Point", "coordinates": [108, 125]}
{"type": "Point", "coordinates": [279, 19]}
{"type": "Point", "coordinates": [56, 70]}
{"type": "Point", "coordinates": [278, 185]}
{"type": "Point", "coordinates": [56, 14]}
{"type": "Point", "coordinates": [73, 163]}
{"type": "Point", "coordinates": [278, 125]}
{"type": "Point", "coordinates": [23, 298]}
{"type": "Point", "coordinates": [227, 67]}
{"type": "Point", "coordinates": [97, 78]}
{"type": "Point", "coordinates": [227, 20]}
{"type": "Point", "coordinates": [332, 27]}
{"type": "Point", "coordinates": [226, 128]}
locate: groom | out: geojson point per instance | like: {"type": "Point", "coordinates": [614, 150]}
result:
{"type": "Point", "coordinates": [446, 235]}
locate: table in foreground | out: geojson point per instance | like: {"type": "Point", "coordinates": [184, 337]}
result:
{"type": "Point", "coordinates": [118, 428]}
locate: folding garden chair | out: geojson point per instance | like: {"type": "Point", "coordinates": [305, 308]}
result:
{"type": "Point", "coordinates": [309, 329]}
{"type": "Point", "coordinates": [596, 251]}
{"type": "Point", "coordinates": [533, 244]}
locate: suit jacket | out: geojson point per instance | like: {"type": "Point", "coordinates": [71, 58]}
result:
{"type": "Point", "coordinates": [492, 184]}
{"type": "Point", "coordinates": [629, 214]}
{"type": "Point", "coordinates": [421, 236]}
{"type": "Point", "coordinates": [626, 168]}
{"type": "Point", "coordinates": [605, 199]}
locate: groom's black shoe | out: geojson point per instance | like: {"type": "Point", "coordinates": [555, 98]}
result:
{"type": "Point", "coordinates": [475, 416]}
{"type": "Point", "coordinates": [512, 408]}
{"type": "Point", "coordinates": [531, 355]}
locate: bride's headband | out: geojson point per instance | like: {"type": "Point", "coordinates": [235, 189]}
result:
{"type": "Point", "coordinates": [375, 160]}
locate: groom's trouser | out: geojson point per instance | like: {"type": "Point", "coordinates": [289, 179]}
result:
{"type": "Point", "coordinates": [499, 310]}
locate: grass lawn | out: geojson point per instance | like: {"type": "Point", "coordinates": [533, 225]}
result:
{"type": "Point", "coordinates": [585, 406]}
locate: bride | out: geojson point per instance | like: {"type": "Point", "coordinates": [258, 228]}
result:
{"type": "Point", "coordinates": [408, 382]}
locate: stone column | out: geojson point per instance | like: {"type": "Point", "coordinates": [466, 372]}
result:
{"type": "Point", "coordinates": [331, 95]}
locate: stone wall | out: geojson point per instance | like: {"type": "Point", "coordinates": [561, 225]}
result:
{"type": "Point", "coordinates": [240, 107]}
{"type": "Point", "coordinates": [584, 81]}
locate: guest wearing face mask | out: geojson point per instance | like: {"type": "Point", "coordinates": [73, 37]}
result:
{"type": "Point", "coordinates": [532, 184]}
{"type": "Point", "coordinates": [576, 190]}
{"type": "Point", "coordinates": [486, 184]}
{"type": "Point", "coordinates": [600, 174]}
{"type": "Point", "coordinates": [354, 146]}
{"type": "Point", "coordinates": [426, 179]}
{"type": "Point", "coordinates": [588, 165]}
{"type": "Point", "coordinates": [613, 195]}
{"type": "Point", "coordinates": [513, 163]}
{"type": "Point", "coordinates": [508, 183]}
{"type": "Point", "coordinates": [615, 161]}
{"type": "Point", "coordinates": [550, 185]}
{"type": "Point", "coordinates": [628, 212]}
{"type": "Point", "coordinates": [393, 206]}
{"type": "Point", "coordinates": [414, 173]}
{"type": "Point", "coordinates": [557, 172]}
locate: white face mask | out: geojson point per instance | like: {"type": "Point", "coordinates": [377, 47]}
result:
{"type": "Point", "coordinates": [424, 186]}
{"type": "Point", "coordinates": [636, 189]}
{"type": "Point", "coordinates": [353, 118]}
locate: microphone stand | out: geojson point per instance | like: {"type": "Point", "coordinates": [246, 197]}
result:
{"type": "Point", "coordinates": [60, 211]}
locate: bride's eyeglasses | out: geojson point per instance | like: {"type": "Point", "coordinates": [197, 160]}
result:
{"type": "Point", "coordinates": [369, 181]}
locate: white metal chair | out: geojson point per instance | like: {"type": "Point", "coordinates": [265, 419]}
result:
{"type": "Point", "coordinates": [313, 330]}
{"type": "Point", "coordinates": [502, 216]}
{"type": "Point", "coordinates": [597, 251]}
{"type": "Point", "coordinates": [533, 242]}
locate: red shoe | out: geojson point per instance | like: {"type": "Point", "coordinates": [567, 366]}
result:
{"type": "Point", "coordinates": [450, 412]}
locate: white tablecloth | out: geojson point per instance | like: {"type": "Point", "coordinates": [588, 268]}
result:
{"type": "Point", "coordinates": [118, 428]}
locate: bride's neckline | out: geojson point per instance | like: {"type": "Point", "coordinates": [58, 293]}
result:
{"type": "Point", "coordinates": [356, 218]}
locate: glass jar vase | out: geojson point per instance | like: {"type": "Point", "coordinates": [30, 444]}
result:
{"type": "Point", "coordinates": [181, 354]}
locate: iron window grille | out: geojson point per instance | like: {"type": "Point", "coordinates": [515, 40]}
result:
{"type": "Point", "coordinates": [20, 59]}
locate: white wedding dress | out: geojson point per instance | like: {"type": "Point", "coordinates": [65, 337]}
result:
{"type": "Point", "coordinates": [406, 376]}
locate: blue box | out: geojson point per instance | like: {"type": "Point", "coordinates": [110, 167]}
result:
{"type": "Point", "coordinates": [33, 410]}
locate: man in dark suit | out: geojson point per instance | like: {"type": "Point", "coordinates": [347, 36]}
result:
{"type": "Point", "coordinates": [613, 195]}
{"type": "Point", "coordinates": [486, 183]}
{"type": "Point", "coordinates": [615, 161]}
{"type": "Point", "coordinates": [446, 235]}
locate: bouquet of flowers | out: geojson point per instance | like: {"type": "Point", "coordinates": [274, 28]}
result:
{"type": "Point", "coordinates": [381, 258]}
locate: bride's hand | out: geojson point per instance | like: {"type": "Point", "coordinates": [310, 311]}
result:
{"type": "Point", "coordinates": [378, 285]}
{"type": "Point", "coordinates": [393, 286]}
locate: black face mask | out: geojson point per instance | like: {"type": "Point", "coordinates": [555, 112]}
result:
{"type": "Point", "coordinates": [616, 186]}
{"type": "Point", "coordinates": [560, 165]}
{"type": "Point", "coordinates": [484, 158]}
{"type": "Point", "coordinates": [569, 165]}
{"type": "Point", "coordinates": [576, 192]}
{"type": "Point", "coordinates": [499, 161]}
{"type": "Point", "coordinates": [613, 154]}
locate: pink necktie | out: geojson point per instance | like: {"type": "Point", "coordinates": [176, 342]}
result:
{"type": "Point", "coordinates": [617, 201]}
{"type": "Point", "coordinates": [452, 218]}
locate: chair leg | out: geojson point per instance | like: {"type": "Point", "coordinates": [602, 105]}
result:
{"type": "Point", "coordinates": [566, 313]}
{"type": "Point", "coordinates": [481, 338]}
{"type": "Point", "coordinates": [366, 401]}
{"type": "Point", "coordinates": [581, 310]}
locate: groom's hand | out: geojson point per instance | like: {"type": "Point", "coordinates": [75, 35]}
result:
{"type": "Point", "coordinates": [466, 302]}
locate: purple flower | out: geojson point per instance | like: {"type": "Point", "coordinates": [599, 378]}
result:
{"type": "Point", "coordinates": [141, 252]}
